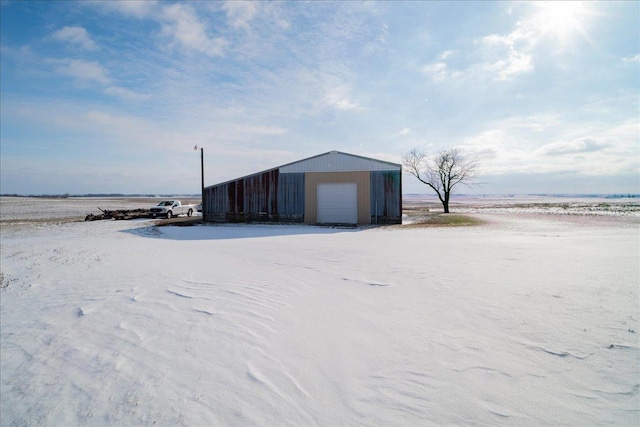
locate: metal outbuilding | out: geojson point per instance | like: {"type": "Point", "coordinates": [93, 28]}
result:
{"type": "Point", "coordinates": [330, 188]}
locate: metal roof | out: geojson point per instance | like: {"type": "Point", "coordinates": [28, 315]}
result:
{"type": "Point", "coordinates": [332, 161]}
{"type": "Point", "coordinates": [336, 161]}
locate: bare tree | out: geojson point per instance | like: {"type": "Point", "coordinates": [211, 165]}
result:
{"type": "Point", "coordinates": [441, 171]}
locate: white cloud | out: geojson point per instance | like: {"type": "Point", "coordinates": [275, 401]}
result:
{"type": "Point", "coordinates": [504, 57]}
{"type": "Point", "coordinates": [492, 137]}
{"type": "Point", "coordinates": [436, 71]}
{"type": "Point", "coordinates": [516, 63]}
{"type": "Point", "coordinates": [439, 71]}
{"type": "Point", "coordinates": [403, 132]}
{"type": "Point", "coordinates": [555, 22]}
{"type": "Point", "coordinates": [582, 145]}
{"type": "Point", "coordinates": [535, 123]}
{"type": "Point", "coordinates": [488, 147]}
{"type": "Point", "coordinates": [83, 70]}
{"type": "Point", "coordinates": [339, 99]}
{"type": "Point", "coordinates": [635, 58]}
{"type": "Point", "coordinates": [521, 35]}
{"type": "Point", "coordinates": [262, 130]}
{"type": "Point", "coordinates": [446, 54]}
{"type": "Point", "coordinates": [340, 103]}
{"type": "Point", "coordinates": [383, 36]}
{"type": "Point", "coordinates": [512, 51]}
{"type": "Point", "coordinates": [127, 94]}
{"type": "Point", "coordinates": [550, 145]}
{"type": "Point", "coordinates": [183, 25]}
{"type": "Point", "coordinates": [240, 13]}
{"type": "Point", "coordinates": [75, 35]}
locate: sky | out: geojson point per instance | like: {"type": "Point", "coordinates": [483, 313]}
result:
{"type": "Point", "coordinates": [112, 97]}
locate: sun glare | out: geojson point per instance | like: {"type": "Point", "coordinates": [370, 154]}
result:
{"type": "Point", "coordinates": [562, 19]}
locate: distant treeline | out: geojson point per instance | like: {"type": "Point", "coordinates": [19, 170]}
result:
{"type": "Point", "coordinates": [67, 196]}
{"type": "Point", "coordinates": [623, 196]}
{"type": "Point", "coordinates": [602, 196]}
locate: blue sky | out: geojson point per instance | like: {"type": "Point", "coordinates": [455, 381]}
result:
{"type": "Point", "coordinates": [100, 97]}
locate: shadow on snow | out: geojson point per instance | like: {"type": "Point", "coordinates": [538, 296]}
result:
{"type": "Point", "coordinates": [235, 231]}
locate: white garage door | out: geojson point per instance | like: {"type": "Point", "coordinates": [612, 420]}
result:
{"type": "Point", "coordinates": [337, 203]}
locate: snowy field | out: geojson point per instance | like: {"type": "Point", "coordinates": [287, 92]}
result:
{"type": "Point", "coordinates": [530, 318]}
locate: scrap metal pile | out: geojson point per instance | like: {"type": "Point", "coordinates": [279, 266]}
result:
{"type": "Point", "coordinates": [120, 214]}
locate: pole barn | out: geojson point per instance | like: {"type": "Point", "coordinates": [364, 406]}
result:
{"type": "Point", "coordinates": [330, 188]}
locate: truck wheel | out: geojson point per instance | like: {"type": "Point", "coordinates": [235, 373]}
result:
{"type": "Point", "coordinates": [169, 214]}
{"type": "Point", "coordinates": [190, 212]}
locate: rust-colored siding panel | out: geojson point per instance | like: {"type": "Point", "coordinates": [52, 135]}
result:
{"type": "Point", "coordinates": [267, 196]}
{"type": "Point", "coordinates": [362, 180]}
{"type": "Point", "coordinates": [259, 191]}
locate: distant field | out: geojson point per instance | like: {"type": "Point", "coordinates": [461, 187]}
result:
{"type": "Point", "coordinates": [41, 210]}
{"type": "Point", "coordinates": [37, 210]}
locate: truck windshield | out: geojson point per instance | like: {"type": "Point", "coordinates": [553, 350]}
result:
{"type": "Point", "coordinates": [165, 203]}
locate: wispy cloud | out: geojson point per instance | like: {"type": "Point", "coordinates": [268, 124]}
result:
{"type": "Point", "coordinates": [127, 94]}
{"type": "Point", "coordinates": [240, 13]}
{"type": "Point", "coordinates": [511, 147]}
{"type": "Point", "coordinates": [183, 25]}
{"type": "Point", "coordinates": [631, 59]}
{"type": "Point", "coordinates": [505, 56]}
{"type": "Point", "coordinates": [552, 22]}
{"type": "Point", "coordinates": [82, 70]}
{"type": "Point", "coordinates": [339, 99]}
{"type": "Point", "coordinates": [446, 54]}
{"type": "Point", "coordinates": [437, 71]}
{"type": "Point", "coordinates": [77, 36]}
{"type": "Point", "coordinates": [582, 145]}
{"type": "Point", "coordinates": [515, 62]}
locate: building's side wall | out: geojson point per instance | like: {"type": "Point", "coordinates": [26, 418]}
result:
{"type": "Point", "coordinates": [267, 196]}
{"type": "Point", "coordinates": [312, 179]}
{"type": "Point", "coordinates": [223, 202]}
{"type": "Point", "coordinates": [386, 197]}
{"type": "Point", "coordinates": [216, 202]}
{"type": "Point", "coordinates": [260, 199]}
{"type": "Point", "coordinates": [291, 197]}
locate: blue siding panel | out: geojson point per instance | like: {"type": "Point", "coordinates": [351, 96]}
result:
{"type": "Point", "coordinates": [291, 196]}
{"type": "Point", "coordinates": [386, 197]}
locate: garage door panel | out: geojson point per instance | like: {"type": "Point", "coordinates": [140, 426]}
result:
{"type": "Point", "coordinates": [337, 203]}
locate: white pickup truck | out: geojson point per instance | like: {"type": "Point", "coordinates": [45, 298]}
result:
{"type": "Point", "coordinates": [171, 208]}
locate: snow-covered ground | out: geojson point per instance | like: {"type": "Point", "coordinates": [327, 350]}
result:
{"type": "Point", "coordinates": [526, 319]}
{"type": "Point", "coordinates": [552, 205]}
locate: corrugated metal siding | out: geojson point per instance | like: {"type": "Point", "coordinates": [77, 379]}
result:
{"type": "Point", "coordinates": [386, 197]}
{"type": "Point", "coordinates": [336, 161]}
{"type": "Point", "coordinates": [215, 201]}
{"type": "Point", "coordinates": [312, 179]}
{"type": "Point", "coordinates": [260, 194]}
{"type": "Point", "coordinates": [267, 196]}
{"type": "Point", "coordinates": [291, 196]}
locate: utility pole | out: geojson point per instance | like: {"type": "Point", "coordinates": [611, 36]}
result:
{"type": "Point", "coordinates": [202, 181]}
